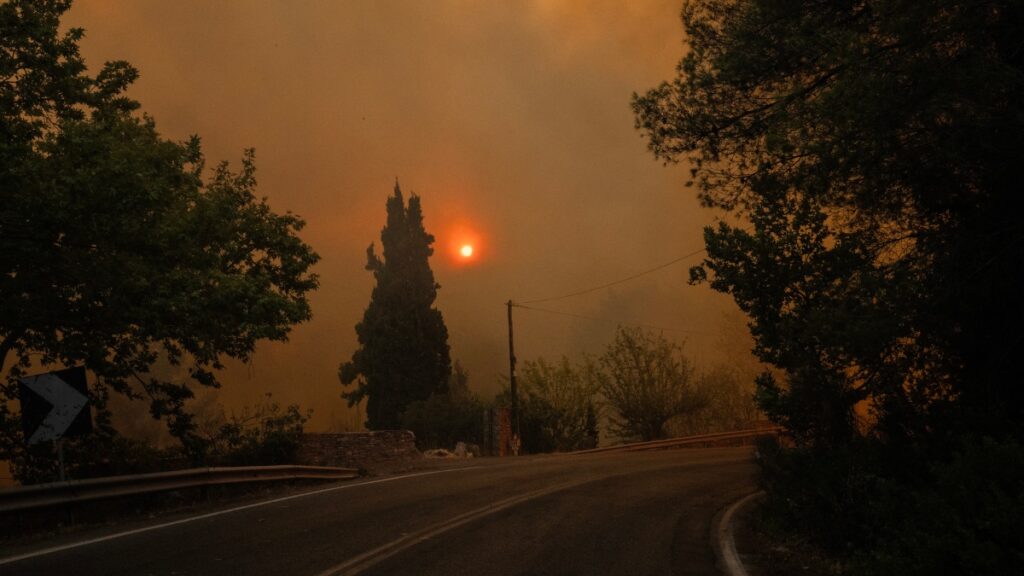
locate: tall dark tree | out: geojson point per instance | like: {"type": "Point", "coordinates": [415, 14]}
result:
{"type": "Point", "coordinates": [403, 355]}
{"type": "Point", "coordinates": [875, 148]}
{"type": "Point", "coordinates": [117, 248]}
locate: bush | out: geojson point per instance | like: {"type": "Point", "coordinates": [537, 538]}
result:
{"type": "Point", "coordinates": [966, 520]}
{"type": "Point", "coordinates": [830, 496]}
{"type": "Point", "coordinates": [442, 420]}
{"type": "Point", "coordinates": [726, 402]}
{"type": "Point", "coordinates": [542, 425]}
{"type": "Point", "coordinates": [265, 435]}
{"type": "Point", "coordinates": [538, 420]}
{"type": "Point", "coordinates": [558, 406]}
{"type": "Point", "coordinates": [95, 455]}
{"type": "Point", "coordinates": [879, 516]}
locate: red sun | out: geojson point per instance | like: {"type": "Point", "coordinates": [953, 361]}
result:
{"type": "Point", "coordinates": [465, 246]}
{"type": "Point", "coordinates": [465, 249]}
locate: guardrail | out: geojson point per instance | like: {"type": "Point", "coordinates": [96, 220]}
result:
{"type": "Point", "coordinates": [688, 440]}
{"type": "Point", "coordinates": [58, 493]}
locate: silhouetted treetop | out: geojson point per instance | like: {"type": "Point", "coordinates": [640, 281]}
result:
{"type": "Point", "coordinates": [403, 355]}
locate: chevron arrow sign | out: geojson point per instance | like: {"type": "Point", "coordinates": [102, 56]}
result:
{"type": "Point", "coordinates": [54, 405]}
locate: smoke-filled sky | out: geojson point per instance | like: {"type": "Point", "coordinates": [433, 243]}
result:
{"type": "Point", "coordinates": [512, 122]}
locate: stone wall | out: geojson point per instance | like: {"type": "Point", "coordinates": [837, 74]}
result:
{"type": "Point", "coordinates": [357, 449]}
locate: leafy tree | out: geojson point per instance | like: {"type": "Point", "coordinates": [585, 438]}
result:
{"type": "Point", "coordinates": [403, 355]}
{"type": "Point", "coordinates": [874, 148]}
{"type": "Point", "coordinates": [118, 249]}
{"type": "Point", "coordinates": [567, 392]}
{"type": "Point", "coordinates": [648, 381]}
{"type": "Point", "coordinates": [727, 403]}
{"type": "Point", "coordinates": [815, 303]}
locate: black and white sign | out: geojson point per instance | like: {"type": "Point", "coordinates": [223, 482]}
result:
{"type": "Point", "coordinates": [54, 405]}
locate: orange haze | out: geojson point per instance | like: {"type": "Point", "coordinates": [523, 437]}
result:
{"type": "Point", "coordinates": [510, 119]}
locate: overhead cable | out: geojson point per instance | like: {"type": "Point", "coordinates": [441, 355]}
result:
{"type": "Point", "coordinates": [605, 320]}
{"type": "Point", "coordinates": [616, 282]}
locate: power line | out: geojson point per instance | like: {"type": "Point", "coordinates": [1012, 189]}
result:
{"type": "Point", "coordinates": [616, 282]}
{"type": "Point", "coordinates": [605, 320]}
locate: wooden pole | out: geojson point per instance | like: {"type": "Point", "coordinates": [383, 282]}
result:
{"type": "Point", "coordinates": [512, 384]}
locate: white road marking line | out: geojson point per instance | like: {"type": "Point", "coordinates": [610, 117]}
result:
{"type": "Point", "coordinates": [379, 554]}
{"type": "Point", "coordinates": [727, 537]}
{"type": "Point", "coordinates": [72, 545]}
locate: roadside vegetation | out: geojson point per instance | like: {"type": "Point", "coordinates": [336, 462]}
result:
{"type": "Point", "coordinates": [647, 382]}
{"type": "Point", "coordinates": [873, 150]}
{"type": "Point", "coordinates": [865, 159]}
{"type": "Point", "coordinates": [264, 434]}
{"type": "Point", "coordinates": [641, 387]}
{"type": "Point", "coordinates": [124, 253]}
{"type": "Point", "coordinates": [448, 417]}
{"type": "Point", "coordinates": [120, 250]}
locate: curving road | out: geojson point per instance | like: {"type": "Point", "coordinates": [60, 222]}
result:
{"type": "Point", "coordinates": [634, 513]}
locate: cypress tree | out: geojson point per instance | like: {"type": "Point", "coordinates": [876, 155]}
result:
{"type": "Point", "coordinates": [403, 354]}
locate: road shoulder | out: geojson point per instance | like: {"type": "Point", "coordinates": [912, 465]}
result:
{"type": "Point", "coordinates": [744, 547]}
{"type": "Point", "coordinates": [732, 537]}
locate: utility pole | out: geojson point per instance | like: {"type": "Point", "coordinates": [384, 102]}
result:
{"type": "Point", "coordinates": [512, 384]}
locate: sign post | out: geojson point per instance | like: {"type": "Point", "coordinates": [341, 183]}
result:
{"type": "Point", "coordinates": [55, 405]}
{"type": "Point", "coordinates": [60, 458]}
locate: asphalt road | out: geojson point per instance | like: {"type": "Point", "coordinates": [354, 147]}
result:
{"type": "Point", "coordinates": [634, 513]}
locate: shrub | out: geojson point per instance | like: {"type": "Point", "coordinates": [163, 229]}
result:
{"type": "Point", "coordinates": [95, 455]}
{"type": "Point", "coordinates": [559, 410]}
{"type": "Point", "coordinates": [830, 496]}
{"type": "Point", "coordinates": [955, 515]}
{"type": "Point", "coordinates": [264, 435]}
{"type": "Point", "coordinates": [442, 420]}
{"type": "Point", "coordinates": [965, 520]}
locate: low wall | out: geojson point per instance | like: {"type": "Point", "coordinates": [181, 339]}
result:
{"type": "Point", "coordinates": [356, 449]}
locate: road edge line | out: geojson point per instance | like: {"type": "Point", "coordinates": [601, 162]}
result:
{"type": "Point", "coordinates": [724, 537]}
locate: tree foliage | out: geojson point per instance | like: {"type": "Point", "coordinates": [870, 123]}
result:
{"type": "Point", "coordinates": [118, 248]}
{"type": "Point", "coordinates": [647, 381]}
{"type": "Point", "coordinates": [403, 355]}
{"type": "Point", "coordinates": [874, 147]}
{"type": "Point", "coordinates": [726, 403]}
{"type": "Point", "coordinates": [563, 401]}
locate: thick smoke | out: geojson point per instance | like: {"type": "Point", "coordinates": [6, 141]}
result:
{"type": "Point", "coordinates": [511, 120]}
